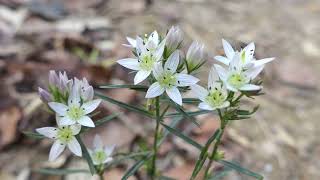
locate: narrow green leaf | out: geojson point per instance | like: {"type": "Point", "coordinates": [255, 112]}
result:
{"type": "Point", "coordinates": [220, 174]}
{"type": "Point", "coordinates": [174, 123]}
{"type": "Point", "coordinates": [182, 136]}
{"type": "Point", "coordinates": [118, 160]}
{"type": "Point", "coordinates": [86, 155]}
{"type": "Point", "coordinates": [246, 112]}
{"type": "Point", "coordinates": [186, 115]}
{"type": "Point", "coordinates": [60, 172]}
{"type": "Point", "coordinates": [166, 178]}
{"type": "Point", "coordinates": [33, 135]}
{"type": "Point", "coordinates": [135, 167]}
{"type": "Point", "coordinates": [239, 118]}
{"type": "Point", "coordinates": [192, 114]}
{"type": "Point", "coordinates": [133, 87]}
{"type": "Point", "coordinates": [125, 106]}
{"type": "Point", "coordinates": [190, 100]}
{"type": "Point", "coordinates": [240, 169]}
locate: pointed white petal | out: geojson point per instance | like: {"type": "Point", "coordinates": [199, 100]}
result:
{"type": "Point", "coordinates": [141, 49]}
{"type": "Point", "coordinates": [59, 108]}
{"type": "Point", "coordinates": [199, 91]}
{"type": "Point", "coordinates": [86, 121]}
{"type": "Point", "coordinates": [132, 41]}
{"type": "Point", "coordinates": [249, 50]}
{"type": "Point", "coordinates": [229, 87]}
{"type": "Point", "coordinates": [109, 149]}
{"type": "Point", "coordinates": [262, 61]}
{"type": "Point", "coordinates": [75, 147]}
{"type": "Point", "coordinates": [109, 159]}
{"type": "Point", "coordinates": [90, 106]}
{"type": "Point", "coordinates": [154, 90]}
{"type": "Point", "coordinates": [75, 128]}
{"type": "Point", "coordinates": [235, 63]}
{"type": "Point", "coordinates": [222, 59]}
{"type": "Point", "coordinates": [172, 62]}
{"type": "Point", "coordinates": [175, 95]}
{"type": "Point", "coordinates": [213, 77]}
{"type": "Point", "coordinates": [129, 63]}
{"type": "Point", "coordinates": [56, 149]}
{"type": "Point", "coordinates": [224, 105]}
{"type": "Point", "coordinates": [159, 51]}
{"type": "Point", "coordinates": [140, 76]}
{"type": "Point", "coordinates": [221, 72]}
{"type": "Point", "coordinates": [87, 93]}
{"type": "Point", "coordinates": [250, 87]}
{"type": "Point", "coordinates": [228, 50]}
{"type": "Point", "coordinates": [157, 71]}
{"type": "Point", "coordinates": [254, 72]}
{"type": "Point", "coordinates": [154, 37]}
{"type": "Point", "coordinates": [97, 142]}
{"type": "Point", "coordinates": [186, 80]}
{"type": "Point", "coordinates": [74, 97]}
{"type": "Point", "coordinates": [50, 132]}
{"type": "Point", "coordinates": [205, 106]}
{"type": "Point", "coordinates": [65, 121]}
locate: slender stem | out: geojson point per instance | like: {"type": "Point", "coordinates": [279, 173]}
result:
{"type": "Point", "coordinates": [101, 177]}
{"type": "Point", "coordinates": [216, 145]}
{"type": "Point", "coordinates": [156, 133]}
{"type": "Point", "coordinates": [101, 171]}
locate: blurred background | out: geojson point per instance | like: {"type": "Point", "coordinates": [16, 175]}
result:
{"type": "Point", "coordinates": [85, 39]}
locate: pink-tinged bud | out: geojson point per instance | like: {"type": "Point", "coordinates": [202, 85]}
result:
{"type": "Point", "coordinates": [53, 78]}
{"type": "Point", "coordinates": [45, 96]}
{"type": "Point", "coordinates": [195, 55]}
{"type": "Point", "coordinates": [174, 39]}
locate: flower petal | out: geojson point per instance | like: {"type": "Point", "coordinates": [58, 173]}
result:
{"type": "Point", "coordinates": [205, 106]}
{"type": "Point", "coordinates": [129, 63]}
{"type": "Point", "coordinates": [59, 108]}
{"type": "Point", "coordinates": [109, 159]}
{"type": "Point", "coordinates": [186, 80]}
{"type": "Point", "coordinates": [157, 70]}
{"type": "Point", "coordinates": [254, 72]}
{"type": "Point", "coordinates": [97, 142]}
{"type": "Point", "coordinates": [228, 50]}
{"type": "Point", "coordinates": [175, 95]}
{"type": "Point", "coordinates": [75, 147]}
{"type": "Point", "coordinates": [224, 105]}
{"type": "Point", "coordinates": [86, 121]}
{"type": "Point", "coordinates": [159, 51]}
{"type": "Point", "coordinates": [229, 87]}
{"type": "Point", "coordinates": [199, 91]}
{"type": "Point", "coordinates": [74, 97]}
{"type": "Point", "coordinates": [249, 50]}
{"type": "Point", "coordinates": [50, 132]}
{"type": "Point", "coordinates": [56, 149]}
{"type": "Point", "coordinates": [140, 76]}
{"type": "Point", "coordinates": [221, 72]}
{"type": "Point", "coordinates": [132, 41]}
{"type": "Point", "coordinates": [75, 128]}
{"type": "Point", "coordinates": [87, 93]}
{"type": "Point", "coordinates": [90, 106]}
{"type": "Point", "coordinates": [141, 49]}
{"type": "Point", "coordinates": [262, 61]}
{"type": "Point", "coordinates": [172, 62]}
{"type": "Point", "coordinates": [109, 149]}
{"type": "Point", "coordinates": [250, 87]}
{"type": "Point", "coordinates": [65, 121]}
{"type": "Point", "coordinates": [154, 90]}
{"type": "Point", "coordinates": [222, 59]}
{"type": "Point", "coordinates": [213, 77]}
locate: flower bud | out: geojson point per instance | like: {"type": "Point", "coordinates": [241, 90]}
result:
{"type": "Point", "coordinates": [53, 78]}
{"type": "Point", "coordinates": [219, 155]}
{"type": "Point", "coordinates": [45, 96]}
{"type": "Point", "coordinates": [195, 56]}
{"type": "Point", "coordinates": [173, 39]}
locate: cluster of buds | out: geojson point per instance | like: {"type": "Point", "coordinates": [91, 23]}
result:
{"type": "Point", "coordinates": [72, 102]}
{"type": "Point", "coordinates": [160, 60]}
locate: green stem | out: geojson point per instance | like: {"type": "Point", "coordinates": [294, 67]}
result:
{"type": "Point", "coordinates": [216, 145]}
{"type": "Point", "coordinates": [156, 133]}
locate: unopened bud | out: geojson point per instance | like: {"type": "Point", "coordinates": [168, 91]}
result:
{"type": "Point", "coordinates": [195, 55]}
{"type": "Point", "coordinates": [44, 95]}
{"type": "Point", "coordinates": [174, 39]}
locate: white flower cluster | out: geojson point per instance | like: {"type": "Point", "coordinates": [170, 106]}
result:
{"type": "Point", "coordinates": [159, 60]}
{"type": "Point", "coordinates": [242, 68]}
{"type": "Point", "coordinates": [72, 101]}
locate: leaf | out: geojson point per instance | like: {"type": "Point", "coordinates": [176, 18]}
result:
{"type": "Point", "coordinates": [86, 155]}
{"type": "Point", "coordinates": [129, 86]}
{"type": "Point", "coordinates": [194, 113]}
{"type": "Point", "coordinates": [204, 153]}
{"type": "Point", "coordinates": [190, 100]}
{"type": "Point", "coordinates": [220, 174]}
{"type": "Point", "coordinates": [182, 136]}
{"type": "Point", "coordinates": [246, 112]}
{"type": "Point", "coordinates": [125, 157]}
{"type": "Point", "coordinates": [125, 106]}
{"type": "Point", "coordinates": [240, 169]}
{"type": "Point", "coordinates": [60, 172]}
{"type": "Point", "coordinates": [135, 167]}
{"type": "Point", "coordinates": [33, 135]}
{"type": "Point", "coordinates": [239, 118]}
{"type": "Point", "coordinates": [186, 115]}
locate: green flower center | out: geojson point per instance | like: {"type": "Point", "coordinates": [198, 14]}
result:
{"type": "Point", "coordinates": [99, 156]}
{"type": "Point", "coordinates": [238, 80]}
{"type": "Point", "coordinates": [65, 134]}
{"type": "Point", "coordinates": [215, 98]}
{"type": "Point", "coordinates": [75, 113]}
{"type": "Point", "coordinates": [146, 62]}
{"type": "Point", "coordinates": [167, 80]}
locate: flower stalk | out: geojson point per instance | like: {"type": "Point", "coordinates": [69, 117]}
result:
{"type": "Point", "coordinates": [156, 137]}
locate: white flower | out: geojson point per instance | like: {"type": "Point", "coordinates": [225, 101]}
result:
{"type": "Point", "coordinates": [195, 55]}
{"type": "Point", "coordinates": [75, 112]}
{"type": "Point", "coordinates": [215, 97]}
{"type": "Point", "coordinates": [169, 80]}
{"type": "Point", "coordinates": [148, 56]}
{"type": "Point", "coordinates": [63, 136]}
{"type": "Point", "coordinates": [247, 58]}
{"type": "Point", "coordinates": [100, 154]}
{"type": "Point", "coordinates": [85, 89]}
{"type": "Point", "coordinates": [237, 78]}
{"type": "Point", "coordinates": [151, 41]}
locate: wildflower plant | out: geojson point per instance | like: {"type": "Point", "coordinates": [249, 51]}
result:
{"type": "Point", "coordinates": [164, 74]}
